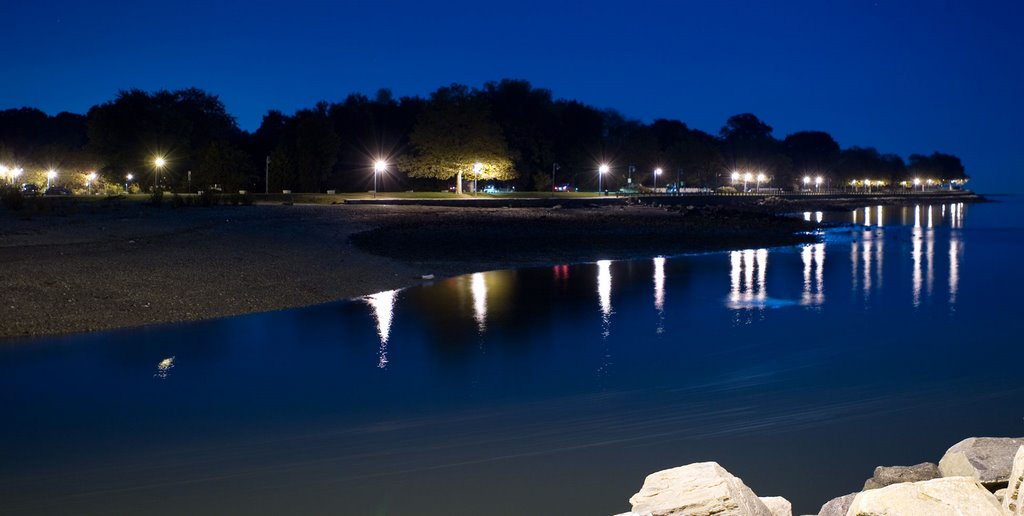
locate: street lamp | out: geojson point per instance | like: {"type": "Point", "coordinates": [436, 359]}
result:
{"type": "Point", "coordinates": [378, 167]}
{"type": "Point", "coordinates": [601, 171]}
{"type": "Point", "coordinates": [807, 182]}
{"type": "Point", "coordinates": [127, 179]}
{"type": "Point", "coordinates": [867, 185]}
{"type": "Point", "coordinates": [657, 172]}
{"type": "Point", "coordinates": [735, 178]}
{"type": "Point", "coordinates": [554, 167]}
{"type": "Point", "coordinates": [747, 177]}
{"type": "Point", "coordinates": [159, 163]}
{"type": "Point", "coordinates": [477, 167]}
{"type": "Point", "coordinates": [89, 179]}
{"type": "Point", "coordinates": [817, 183]}
{"type": "Point", "coordinates": [917, 181]}
{"type": "Point", "coordinates": [760, 177]}
{"type": "Point", "coordinates": [50, 175]}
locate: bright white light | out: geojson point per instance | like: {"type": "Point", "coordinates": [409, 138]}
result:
{"type": "Point", "coordinates": [50, 174]}
{"type": "Point", "coordinates": [91, 176]}
{"type": "Point", "coordinates": [603, 169]}
{"type": "Point", "coordinates": [917, 181]}
{"type": "Point", "coordinates": [657, 171]}
{"type": "Point", "coordinates": [735, 176]}
{"type": "Point", "coordinates": [478, 287]}
{"type": "Point", "coordinates": [604, 286]}
{"type": "Point", "coordinates": [383, 305]}
{"type": "Point", "coordinates": [129, 177]}
{"type": "Point", "coordinates": [761, 177]}
{"type": "Point", "coordinates": [807, 180]}
{"type": "Point", "coordinates": [379, 166]}
{"type": "Point", "coordinates": [817, 180]}
{"type": "Point", "coordinates": [477, 167]}
{"type": "Point", "coordinates": [748, 176]}
{"type": "Point", "coordinates": [159, 162]}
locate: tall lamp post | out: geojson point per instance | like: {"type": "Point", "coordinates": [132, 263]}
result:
{"type": "Point", "coordinates": [735, 178]}
{"type": "Point", "coordinates": [601, 171]}
{"type": "Point", "coordinates": [760, 177]}
{"type": "Point", "coordinates": [554, 167]}
{"type": "Point", "coordinates": [477, 168]}
{"type": "Point", "coordinates": [127, 179]}
{"type": "Point", "coordinates": [50, 175]}
{"type": "Point", "coordinates": [378, 167]}
{"type": "Point", "coordinates": [817, 184]}
{"type": "Point", "coordinates": [807, 182]}
{"type": "Point", "coordinates": [657, 172]}
{"type": "Point", "coordinates": [158, 163]}
{"type": "Point", "coordinates": [746, 177]}
{"type": "Point", "coordinates": [89, 179]}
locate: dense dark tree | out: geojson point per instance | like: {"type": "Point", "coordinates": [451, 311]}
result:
{"type": "Point", "coordinates": [943, 167]}
{"type": "Point", "coordinates": [812, 152]}
{"type": "Point", "coordinates": [130, 131]}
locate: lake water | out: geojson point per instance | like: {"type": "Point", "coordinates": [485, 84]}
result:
{"type": "Point", "coordinates": [543, 391]}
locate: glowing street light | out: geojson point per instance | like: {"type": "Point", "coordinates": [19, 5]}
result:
{"type": "Point", "coordinates": [760, 177]}
{"type": "Point", "coordinates": [127, 179]}
{"type": "Point", "coordinates": [807, 181]}
{"type": "Point", "coordinates": [917, 182]}
{"type": "Point", "coordinates": [158, 163]}
{"type": "Point", "coordinates": [50, 175]}
{"type": "Point", "coordinates": [601, 171]}
{"type": "Point", "coordinates": [89, 179]}
{"type": "Point", "coordinates": [378, 167]}
{"type": "Point", "coordinates": [817, 183]}
{"type": "Point", "coordinates": [735, 178]}
{"type": "Point", "coordinates": [746, 178]}
{"type": "Point", "coordinates": [657, 172]}
{"type": "Point", "coordinates": [477, 168]}
{"type": "Point", "coordinates": [867, 185]}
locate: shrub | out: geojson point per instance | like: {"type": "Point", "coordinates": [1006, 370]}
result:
{"type": "Point", "coordinates": [156, 198]}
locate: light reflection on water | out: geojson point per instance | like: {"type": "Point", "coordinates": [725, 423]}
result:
{"type": "Point", "coordinates": [754, 358]}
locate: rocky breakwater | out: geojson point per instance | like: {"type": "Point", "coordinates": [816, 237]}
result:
{"type": "Point", "coordinates": [982, 476]}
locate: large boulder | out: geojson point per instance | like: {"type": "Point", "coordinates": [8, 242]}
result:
{"type": "Point", "coordinates": [837, 506]}
{"type": "Point", "coordinates": [777, 505]}
{"type": "Point", "coordinates": [987, 459]}
{"type": "Point", "coordinates": [951, 496]}
{"type": "Point", "coordinates": [700, 489]}
{"type": "Point", "coordinates": [1013, 500]}
{"type": "Point", "coordinates": [888, 475]}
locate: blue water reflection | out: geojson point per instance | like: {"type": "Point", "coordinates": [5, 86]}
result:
{"type": "Point", "coordinates": [552, 390]}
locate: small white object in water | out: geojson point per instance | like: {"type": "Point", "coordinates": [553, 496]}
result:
{"type": "Point", "coordinates": [164, 368]}
{"type": "Point", "coordinates": [427, 276]}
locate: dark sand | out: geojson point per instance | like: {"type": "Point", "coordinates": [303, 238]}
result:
{"type": "Point", "coordinates": [110, 265]}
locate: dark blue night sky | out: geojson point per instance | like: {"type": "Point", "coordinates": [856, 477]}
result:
{"type": "Point", "coordinates": [901, 76]}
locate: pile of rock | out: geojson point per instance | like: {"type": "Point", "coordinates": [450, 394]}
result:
{"type": "Point", "coordinates": [981, 476]}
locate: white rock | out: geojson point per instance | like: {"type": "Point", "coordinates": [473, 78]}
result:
{"type": "Point", "coordinates": [1013, 500]}
{"type": "Point", "coordinates": [700, 489]}
{"type": "Point", "coordinates": [987, 459]}
{"type": "Point", "coordinates": [837, 506]}
{"type": "Point", "coordinates": [949, 496]}
{"type": "Point", "coordinates": [777, 505]}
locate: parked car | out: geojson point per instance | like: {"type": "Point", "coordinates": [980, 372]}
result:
{"type": "Point", "coordinates": [29, 189]}
{"type": "Point", "coordinates": [57, 190]}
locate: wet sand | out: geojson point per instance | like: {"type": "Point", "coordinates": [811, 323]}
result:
{"type": "Point", "coordinates": [111, 265]}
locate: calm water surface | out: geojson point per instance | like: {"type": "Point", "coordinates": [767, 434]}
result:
{"type": "Point", "coordinates": [541, 391]}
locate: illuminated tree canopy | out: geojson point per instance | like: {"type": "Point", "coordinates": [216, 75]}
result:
{"type": "Point", "coordinates": [452, 135]}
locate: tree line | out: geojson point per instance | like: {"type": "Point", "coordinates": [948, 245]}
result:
{"type": "Point", "coordinates": [505, 131]}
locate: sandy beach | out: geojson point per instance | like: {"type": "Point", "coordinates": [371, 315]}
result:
{"type": "Point", "coordinates": [109, 265]}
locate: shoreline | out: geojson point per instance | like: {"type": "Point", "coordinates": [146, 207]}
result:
{"type": "Point", "coordinates": [105, 266]}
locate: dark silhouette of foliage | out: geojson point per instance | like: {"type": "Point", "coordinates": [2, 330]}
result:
{"type": "Point", "coordinates": [519, 132]}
